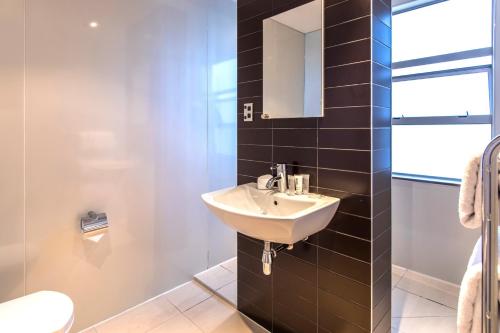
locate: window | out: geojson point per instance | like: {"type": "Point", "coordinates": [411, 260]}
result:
{"type": "Point", "coordinates": [441, 92]}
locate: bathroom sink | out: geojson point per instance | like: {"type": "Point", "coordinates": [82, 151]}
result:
{"type": "Point", "coordinates": [270, 216]}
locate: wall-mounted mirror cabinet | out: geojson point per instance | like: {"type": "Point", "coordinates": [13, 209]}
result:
{"type": "Point", "coordinates": [293, 63]}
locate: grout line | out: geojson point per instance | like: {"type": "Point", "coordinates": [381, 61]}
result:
{"type": "Point", "coordinates": [381, 86]}
{"type": "Point", "coordinates": [252, 49]}
{"type": "Point", "coordinates": [336, 4]}
{"type": "Point", "coordinates": [350, 85]}
{"type": "Point", "coordinates": [191, 321]}
{"type": "Point", "coordinates": [256, 161]}
{"type": "Point", "coordinates": [246, 66]}
{"type": "Point", "coordinates": [246, 97]}
{"type": "Point", "coordinates": [383, 275]}
{"type": "Point", "coordinates": [400, 278]}
{"type": "Point", "coordinates": [250, 81]}
{"type": "Point", "coordinates": [345, 22]}
{"type": "Point", "coordinates": [241, 174]}
{"type": "Point", "coordinates": [343, 255]}
{"type": "Point", "coordinates": [206, 286]}
{"type": "Point", "coordinates": [140, 304]}
{"type": "Point", "coordinates": [349, 300]}
{"type": "Point", "coordinates": [348, 235]}
{"type": "Point", "coordinates": [235, 258]}
{"type": "Point", "coordinates": [343, 276]}
{"type": "Point", "coordinates": [272, 141]}
{"type": "Point", "coordinates": [344, 128]}
{"type": "Point", "coordinates": [428, 299]}
{"type": "Point", "coordinates": [348, 64]}
{"type": "Point", "coordinates": [343, 191]}
{"type": "Point", "coordinates": [348, 42]}
{"type": "Point", "coordinates": [372, 283]}
{"type": "Point", "coordinates": [347, 107]}
{"type": "Point", "coordinates": [250, 33]}
{"type": "Point", "coordinates": [253, 17]}
{"type": "Point", "coordinates": [344, 149]}
{"type": "Point", "coordinates": [382, 212]}
{"type": "Point", "coordinates": [355, 215]}
{"type": "Point", "coordinates": [381, 65]}
{"type": "Point", "coordinates": [161, 323]}
{"type": "Point", "coordinates": [342, 170]}
{"type": "Point", "coordinates": [421, 317]}
{"type": "Point", "coordinates": [192, 306]}
{"type": "Point", "coordinates": [255, 144]}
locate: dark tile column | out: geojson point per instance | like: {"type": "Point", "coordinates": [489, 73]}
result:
{"type": "Point", "coordinates": [339, 280]}
{"type": "Point", "coordinates": [381, 165]}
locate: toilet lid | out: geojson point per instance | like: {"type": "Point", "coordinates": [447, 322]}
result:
{"type": "Point", "coordinates": [40, 312]}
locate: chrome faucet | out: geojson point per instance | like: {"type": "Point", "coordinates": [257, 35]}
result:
{"type": "Point", "coordinates": [280, 178]}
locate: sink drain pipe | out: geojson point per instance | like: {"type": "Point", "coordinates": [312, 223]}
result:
{"type": "Point", "coordinates": [269, 253]}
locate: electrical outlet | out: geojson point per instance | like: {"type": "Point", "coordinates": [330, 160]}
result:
{"type": "Point", "coordinates": [248, 112]}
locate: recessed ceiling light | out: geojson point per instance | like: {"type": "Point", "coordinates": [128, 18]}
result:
{"type": "Point", "coordinates": [93, 24]}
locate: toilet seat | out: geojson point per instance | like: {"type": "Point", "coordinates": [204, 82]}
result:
{"type": "Point", "coordinates": [40, 312]}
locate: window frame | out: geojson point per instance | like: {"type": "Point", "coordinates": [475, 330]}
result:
{"type": "Point", "coordinates": [406, 6]}
{"type": "Point", "coordinates": [447, 120]}
{"type": "Point", "coordinates": [402, 6]}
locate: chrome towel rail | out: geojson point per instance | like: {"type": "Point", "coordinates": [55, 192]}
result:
{"type": "Point", "coordinates": [489, 169]}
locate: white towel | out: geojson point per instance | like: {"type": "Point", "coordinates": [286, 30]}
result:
{"type": "Point", "coordinates": [470, 199]}
{"type": "Point", "coordinates": [471, 195]}
{"type": "Point", "coordinates": [469, 300]}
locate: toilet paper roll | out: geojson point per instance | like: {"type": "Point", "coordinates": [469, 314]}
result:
{"type": "Point", "coordinates": [96, 235]}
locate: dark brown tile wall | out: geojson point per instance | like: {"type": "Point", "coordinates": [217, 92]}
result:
{"type": "Point", "coordinates": [339, 279]}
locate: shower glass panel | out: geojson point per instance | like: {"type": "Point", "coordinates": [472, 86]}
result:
{"type": "Point", "coordinates": [127, 109]}
{"type": "Point", "coordinates": [11, 148]}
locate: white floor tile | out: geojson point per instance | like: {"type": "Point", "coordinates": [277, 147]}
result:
{"type": "Point", "coordinates": [89, 330]}
{"type": "Point", "coordinates": [405, 304]}
{"type": "Point", "coordinates": [187, 296]}
{"type": "Point", "coordinates": [216, 316]}
{"type": "Point", "coordinates": [424, 325]}
{"type": "Point", "coordinates": [216, 277]}
{"type": "Point", "coordinates": [229, 292]}
{"type": "Point", "coordinates": [397, 274]}
{"type": "Point", "coordinates": [434, 289]}
{"type": "Point", "coordinates": [231, 264]}
{"type": "Point", "coordinates": [177, 324]}
{"type": "Point", "coordinates": [140, 319]}
{"type": "Point", "coordinates": [395, 279]}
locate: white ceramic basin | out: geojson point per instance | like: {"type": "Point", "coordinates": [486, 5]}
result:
{"type": "Point", "coordinates": [271, 216]}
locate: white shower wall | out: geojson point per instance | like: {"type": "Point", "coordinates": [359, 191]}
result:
{"type": "Point", "coordinates": [11, 149]}
{"type": "Point", "coordinates": [135, 118]}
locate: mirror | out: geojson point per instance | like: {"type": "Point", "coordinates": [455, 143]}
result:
{"type": "Point", "coordinates": [293, 63]}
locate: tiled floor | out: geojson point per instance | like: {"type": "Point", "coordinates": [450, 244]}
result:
{"type": "Point", "coordinates": [419, 305]}
{"type": "Point", "coordinates": [221, 280]}
{"type": "Point", "coordinates": [422, 306]}
{"type": "Point", "coordinates": [189, 308]}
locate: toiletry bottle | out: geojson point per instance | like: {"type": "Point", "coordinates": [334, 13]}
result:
{"type": "Point", "coordinates": [305, 183]}
{"type": "Point", "coordinates": [291, 185]}
{"type": "Point", "coordinates": [298, 184]}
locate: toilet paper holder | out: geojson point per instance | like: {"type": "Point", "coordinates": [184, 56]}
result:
{"type": "Point", "coordinates": [94, 221]}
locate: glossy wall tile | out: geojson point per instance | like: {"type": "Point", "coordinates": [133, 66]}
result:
{"type": "Point", "coordinates": [339, 279]}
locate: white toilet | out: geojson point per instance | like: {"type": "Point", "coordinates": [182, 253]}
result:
{"type": "Point", "coordinates": [40, 312]}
